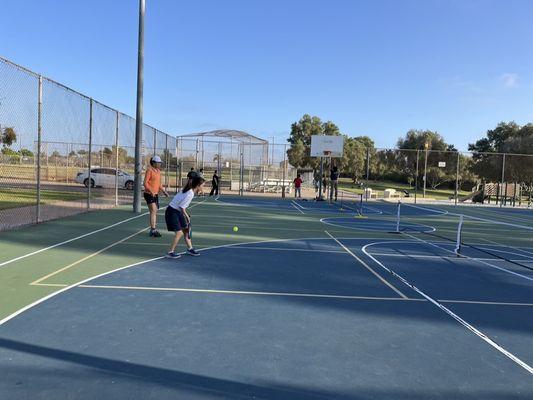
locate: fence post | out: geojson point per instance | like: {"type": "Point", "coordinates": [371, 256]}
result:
{"type": "Point", "coordinates": [457, 179]}
{"type": "Point", "coordinates": [116, 156]}
{"type": "Point", "coordinates": [89, 179]}
{"type": "Point", "coordinates": [416, 174]}
{"type": "Point", "coordinates": [502, 196]}
{"type": "Point", "coordinates": [39, 135]}
{"type": "Point", "coordinates": [284, 173]}
{"type": "Point", "coordinates": [367, 165]}
{"type": "Point", "coordinates": [425, 170]}
{"type": "Point", "coordinates": [167, 152]}
{"type": "Point", "coordinates": [154, 152]}
{"type": "Point", "coordinates": [241, 174]}
{"type": "Point", "coordinates": [196, 156]}
{"type": "Point", "coordinates": [219, 167]}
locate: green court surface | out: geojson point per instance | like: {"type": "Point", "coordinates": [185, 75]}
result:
{"type": "Point", "coordinates": [28, 279]}
{"type": "Point", "coordinates": [90, 244]}
{"type": "Point", "coordinates": [305, 300]}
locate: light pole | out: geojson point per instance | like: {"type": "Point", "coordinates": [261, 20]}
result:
{"type": "Point", "coordinates": [139, 112]}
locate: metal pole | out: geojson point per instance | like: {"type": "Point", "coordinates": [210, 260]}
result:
{"type": "Point", "coordinates": [167, 161]}
{"type": "Point", "coordinates": [155, 142]}
{"type": "Point", "coordinates": [231, 165]}
{"type": "Point", "coordinates": [39, 135]}
{"type": "Point", "coordinates": [367, 165]}
{"type": "Point", "coordinates": [320, 180]}
{"type": "Point", "coordinates": [116, 157]}
{"type": "Point", "coordinates": [219, 167]}
{"type": "Point", "coordinates": [241, 174]}
{"type": "Point", "coordinates": [196, 156]}
{"type": "Point", "coordinates": [90, 153]}
{"type": "Point", "coordinates": [416, 174]}
{"type": "Point", "coordinates": [284, 171]}
{"type": "Point", "coordinates": [425, 172]}
{"type": "Point", "coordinates": [502, 195]}
{"type": "Point", "coordinates": [139, 112]}
{"type": "Point", "coordinates": [457, 179]}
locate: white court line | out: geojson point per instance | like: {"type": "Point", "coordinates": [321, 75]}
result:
{"type": "Point", "coordinates": [470, 258]}
{"type": "Point", "coordinates": [287, 249]}
{"type": "Point", "coordinates": [38, 281]}
{"type": "Point", "coordinates": [294, 205]}
{"type": "Point", "coordinates": [253, 293]}
{"type": "Point", "coordinates": [390, 285]}
{"type": "Point", "coordinates": [379, 225]}
{"type": "Point", "coordinates": [433, 256]}
{"type": "Point", "coordinates": [41, 300]}
{"type": "Point", "coordinates": [289, 294]}
{"type": "Point", "coordinates": [490, 303]}
{"type": "Point", "coordinates": [432, 210]}
{"type": "Point", "coordinates": [71, 240]}
{"type": "Point", "coordinates": [511, 247]}
{"type": "Point", "coordinates": [467, 325]}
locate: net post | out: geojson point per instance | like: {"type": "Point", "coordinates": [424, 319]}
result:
{"type": "Point", "coordinates": [361, 204]}
{"type": "Point", "coordinates": [398, 216]}
{"type": "Point", "coordinates": [459, 236]}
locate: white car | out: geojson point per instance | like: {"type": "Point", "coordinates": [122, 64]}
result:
{"type": "Point", "coordinates": [105, 177]}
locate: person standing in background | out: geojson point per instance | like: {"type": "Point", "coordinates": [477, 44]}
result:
{"type": "Point", "coordinates": [334, 187]}
{"type": "Point", "coordinates": [214, 184]}
{"type": "Point", "coordinates": [298, 187]}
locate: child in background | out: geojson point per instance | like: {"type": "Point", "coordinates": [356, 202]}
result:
{"type": "Point", "coordinates": [177, 219]}
{"type": "Point", "coordinates": [298, 187]}
{"type": "Point", "coordinates": [152, 187]}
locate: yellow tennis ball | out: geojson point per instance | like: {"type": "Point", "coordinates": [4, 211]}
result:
{"type": "Point", "coordinates": [235, 229]}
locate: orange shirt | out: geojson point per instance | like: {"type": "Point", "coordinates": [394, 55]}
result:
{"type": "Point", "coordinates": [152, 181]}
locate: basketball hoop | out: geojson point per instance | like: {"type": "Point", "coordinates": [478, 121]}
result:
{"type": "Point", "coordinates": [327, 153]}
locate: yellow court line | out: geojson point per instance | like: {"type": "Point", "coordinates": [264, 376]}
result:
{"type": "Point", "coordinates": [38, 281]}
{"type": "Point", "coordinates": [390, 285]}
{"type": "Point", "coordinates": [240, 292]}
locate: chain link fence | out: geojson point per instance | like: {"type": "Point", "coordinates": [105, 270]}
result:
{"type": "Point", "coordinates": [63, 153]}
{"type": "Point", "coordinates": [244, 167]}
{"type": "Point", "coordinates": [447, 177]}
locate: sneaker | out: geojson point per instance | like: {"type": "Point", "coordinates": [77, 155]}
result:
{"type": "Point", "coordinates": [193, 252]}
{"type": "Point", "coordinates": [172, 254]}
{"type": "Point", "coordinates": [156, 234]}
{"type": "Point", "coordinates": [151, 233]}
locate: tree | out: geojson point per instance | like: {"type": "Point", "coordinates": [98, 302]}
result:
{"type": "Point", "coordinates": [8, 136]}
{"type": "Point", "coordinates": [354, 157]}
{"type": "Point", "coordinates": [301, 133]}
{"type": "Point", "coordinates": [298, 154]}
{"type": "Point", "coordinates": [507, 137]}
{"type": "Point", "coordinates": [416, 143]}
{"type": "Point", "coordinates": [26, 153]}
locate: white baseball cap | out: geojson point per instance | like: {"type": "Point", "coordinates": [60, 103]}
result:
{"type": "Point", "coordinates": [156, 159]}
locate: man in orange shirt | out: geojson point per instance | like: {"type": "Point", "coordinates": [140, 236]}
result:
{"type": "Point", "coordinates": [152, 187]}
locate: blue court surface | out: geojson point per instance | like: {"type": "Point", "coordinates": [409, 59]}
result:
{"type": "Point", "coordinates": [335, 316]}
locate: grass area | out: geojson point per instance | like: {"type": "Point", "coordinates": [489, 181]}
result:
{"type": "Point", "coordinates": [19, 197]}
{"type": "Point", "coordinates": [380, 186]}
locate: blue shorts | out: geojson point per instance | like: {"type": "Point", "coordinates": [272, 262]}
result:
{"type": "Point", "coordinates": [175, 220]}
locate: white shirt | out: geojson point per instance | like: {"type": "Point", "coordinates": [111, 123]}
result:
{"type": "Point", "coordinates": [182, 200]}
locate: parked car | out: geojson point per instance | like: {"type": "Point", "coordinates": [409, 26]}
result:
{"type": "Point", "coordinates": [105, 177]}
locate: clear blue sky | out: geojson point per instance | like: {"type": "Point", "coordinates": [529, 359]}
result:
{"type": "Point", "coordinates": [373, 67]}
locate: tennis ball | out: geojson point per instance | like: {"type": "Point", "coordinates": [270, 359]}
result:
{"type": "Point", "coordinates": [235, 229]}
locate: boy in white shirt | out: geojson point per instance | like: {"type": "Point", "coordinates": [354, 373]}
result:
{"type": "Point", "coordinates": [177, 219]}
